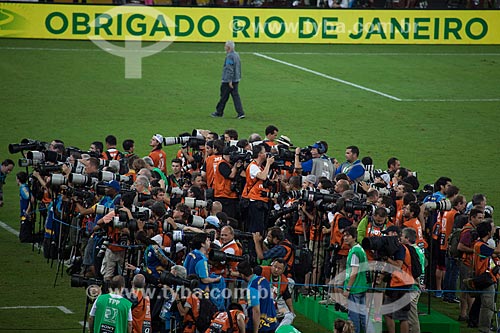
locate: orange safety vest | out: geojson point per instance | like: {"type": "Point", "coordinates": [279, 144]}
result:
{"type": "Point", "coordinates": [289, 256]}
{"type": "Point", "coordinates": [222, 185]}
{"type": "Point", "coordinates": [415, 224]}
{"type": "Point", "coordinates": [336, 235]}
{"type": "Point", "coordinates": [253, 187]}
{"type": "Point", "coordinates": [282, 285]}
{"type": "Point", "coordinates": [159, 158]}
{"type": "Point", "coordinates": [375, 231]}
{"type": "Point", "coordinates": [111, 155]}
{"type": "Point", "coordinates": [225, 269]}
{"type": "Point", "coordinates": [446, 227]}
{"type": "Point", "coordinates": [211, 164]}
{"type": "Point", "coordinates": [221, 322]}
{"type": "Point", "coordinates": [403, 277]}
{"type": "Point", "coordinates": [141, 314]}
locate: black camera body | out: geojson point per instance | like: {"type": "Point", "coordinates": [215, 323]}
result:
{"type": "Point", "coordinates": [385, 246]}
{"type": "Point", "coordinates": [167, 278]}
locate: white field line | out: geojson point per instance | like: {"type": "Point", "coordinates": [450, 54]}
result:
{"type": "Point", "coordinates": [9, 228]}
{"type": "Point", "coordinates": [60, 307]}
{"type": "Point", "coordinates": [453, 100]}
{"type": "Point", "coordinates": [404, 54]}
{"type": "Point", "coordinates": [15, 232]}
{"type": "Point", "coordinates": [329, 77]}
{"type": "Point", "coordinates": [296, 53]}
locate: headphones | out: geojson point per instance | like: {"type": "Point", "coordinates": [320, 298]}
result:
{"type": "Point", "coordinates": [321, 147]}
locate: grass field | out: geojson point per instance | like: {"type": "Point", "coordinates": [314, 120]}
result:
{"type": "Point", "coordinates": [434, 107]}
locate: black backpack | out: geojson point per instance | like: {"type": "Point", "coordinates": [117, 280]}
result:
{"type": "Point", "coordinates": [206, 312]}
{"type": "Point", "coordinates": [302, 263]}
{"type": "Point", "coordinates": [416, 265]}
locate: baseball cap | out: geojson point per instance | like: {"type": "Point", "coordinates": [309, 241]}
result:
{"type": "Point", "coordinates": [213, 221]}
{"type": "Point", "coordinates": [284, 140]}
{"type": "Point", "coordinates": [311, 179]}
{"type": "Point", "coordinates": [114, 184]}
{"type": "Point", "coordinates": [158, 137]}
{"type": "Point", "coordinates": [392, 228]}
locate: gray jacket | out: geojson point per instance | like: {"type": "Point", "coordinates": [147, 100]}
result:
{"type": "Point", "coordinates": [232, 68]}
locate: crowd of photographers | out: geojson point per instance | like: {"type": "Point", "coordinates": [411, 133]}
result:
{"type": "Point", "coordinates": [232, 211]}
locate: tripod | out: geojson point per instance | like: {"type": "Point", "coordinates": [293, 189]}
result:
{"type": "Point", "coordinates": [88, 300]}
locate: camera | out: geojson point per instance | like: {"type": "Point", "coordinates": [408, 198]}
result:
{"type": "Point", "coordinates": [141, 213]}
{"type": "Point", "coordinates": [115, 164]}
{"type": "Point", "coordinates": [78, 281]}
{"type": "Point", "coordinates": [221, 256]}
{"type": "Point", "coordinates": [194, 203]}
{"type": "Point", "coordinates": [57, 179]}
{"type": "Point", "coordinates": [47, 169]}
{"type": "Point", "coordinates": [277, 214]}
{"type": "Point", "coordinates": [428, 190]}
{"type": "Point", "coordinates": [238, 234]}
{"type": "Point", "coordinates": [108, 176]}
{"type": "Point", "coordinates": [24, 162]}
{"type": "Point", "coordinates": [193, 142]}
{"type": "Point", "coordinates": [385, 246]}
{"type": "Point", "coordinates": [305, 154]}
{"type": "Point", "coordinates": [186, 237]}
{"type": "Point", "coordinates": [141, 197]}
{"type": "Point", "coordinates": [103, 247]}
{"type": "Point", "coordinates": [103, 210]}
{"type": "Point", "coordinates": [439, 205]}
{"type": "Point", "coordinates": [176, 190]}
{"type": "Point", "coordinates": [352, 206]}
{"type": "Point", "coordinates": [488, 211]}
{"type": "Point", "coordinates": [169, 279]}
{"type": "Point", "coordinates": [312, 196]}
{"type": "Point", "coordinates": [496, 234]}
{"type": "Point", "coordinates": [46, 156]}
{"type": "Point", "coordinates": [239, 154]}
{"type": "Point", "coordinates": [180, 140]}
{"type": "Point", "coordinates": [79, 193]}
{"type": "Point", "coordinates": [27, 144]}
{"type": "Point", "coordinates": [84, 180]}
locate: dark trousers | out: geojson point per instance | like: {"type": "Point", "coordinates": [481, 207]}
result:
{"type": "Point", "coordinates": [256, 221]}
{"type": "Point", "coordinates": [225, 91]}
{"type": "Point", "coordinates": [229, 206]}
{"type": "Point", "coordinates": [450, 277]}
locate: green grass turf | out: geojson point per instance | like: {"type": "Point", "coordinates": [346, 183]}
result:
{"type": "Point", "coordinates": [76, 92]}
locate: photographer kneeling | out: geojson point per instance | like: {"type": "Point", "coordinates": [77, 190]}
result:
{"type": "Point", "coordinates": [279, 247]}
{"type": "Point", "coordinates": [197, 262]}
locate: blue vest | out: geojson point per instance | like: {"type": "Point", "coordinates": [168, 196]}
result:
{"type": "Point", "coordinates": [51, 225]}
{"type": "Point", "coordinates": [190, 263]}
{"type": "Point", "coordinates": [25, 195]}
{"type": "Point", "coordinates": [259, 288]}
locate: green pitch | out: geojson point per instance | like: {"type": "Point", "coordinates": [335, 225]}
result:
{"type": "Point", "coordinates": [436, 108]}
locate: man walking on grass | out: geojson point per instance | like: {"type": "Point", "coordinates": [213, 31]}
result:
{"type": "Point", "coordinates": [231, 76]}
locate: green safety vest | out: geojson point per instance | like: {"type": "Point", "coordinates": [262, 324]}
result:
{"type": "Point", "coordinates": [360, 283]}
{"type": "Point", "coordinates": [111, 314]}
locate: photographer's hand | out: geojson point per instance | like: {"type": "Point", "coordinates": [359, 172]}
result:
{"type": "Point", "coordinates": [364, 185]}
{"type": "Point", "coordinates": [126, 210]}
{"type": "Point", "coordinates": [257, 238]}
{"type": "Point", "coordinates": [140, 225]}
{"type": "Point", "coordinates": [171, 222]}
{"type": "Point", "coordinates": [130, 266]}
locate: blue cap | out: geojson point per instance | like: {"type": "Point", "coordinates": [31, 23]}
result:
{"type": "Point", "coordinates": [114, 184]}
{"type": "Point", "coordinates": [213, 221]}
